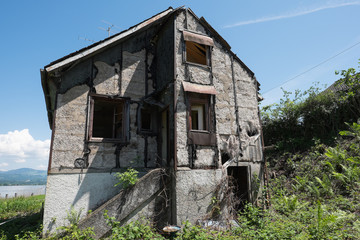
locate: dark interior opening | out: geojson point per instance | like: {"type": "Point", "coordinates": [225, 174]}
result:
{"type": "Point", "coordinates": [239, 178]}
{"type": "Point", "coordinates": [145, 120]}
{"type": "Point", "coordinates": [107, 121]}
{"type": "Point", "coordinates": [224, 157]}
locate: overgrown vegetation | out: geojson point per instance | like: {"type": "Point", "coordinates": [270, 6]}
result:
{"type": "Point", "coordinates": [23, 214]}
{"type": "Point", "coordinates": [314, 175]}
{"type": "Point", "coordinates": [312, 115]}
{"type": "Point", "coordinates": [127, 179]}
{"type": "Point", "coordinates": [20, 206]}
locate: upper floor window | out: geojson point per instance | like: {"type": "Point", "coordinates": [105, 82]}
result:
{"type": "Point", "coordinates": [107, 119]}
{"type": "Point", "coordinates": [199, 109]}
{"type": "Point", "coordinates": [197, 48]}
{"type": "Point", "coordinates": [197, 53]}
{"type": "Point", "coordinates": [200, 112]}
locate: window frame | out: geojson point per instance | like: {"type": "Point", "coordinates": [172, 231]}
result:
{"type": "Point", "coordinates": [199, 99]}
{"type": "Point", "coordinates": [200, 39]}
{"type": "Point", "coordinates": [205, 137]}
{"type": "Point", "coordinates": [207, 54]}
{"type": "Point", "coordinates": [152, 131]}
{"type": "Point", "coordinates": [125, 116]}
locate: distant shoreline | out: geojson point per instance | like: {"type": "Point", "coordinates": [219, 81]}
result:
{"type": "Point", "coordinates": [24, 184]}
{"type": "Point", "coordinates": [21, 190]}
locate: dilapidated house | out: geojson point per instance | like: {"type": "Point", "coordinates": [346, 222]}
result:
{"type": "Point", "coordinates": [167, 97]}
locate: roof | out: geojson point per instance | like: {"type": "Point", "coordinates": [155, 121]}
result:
{"type": "Point", "coordinates": [110, 41]}
{"type": "Point", "coordinates": [72, 57]}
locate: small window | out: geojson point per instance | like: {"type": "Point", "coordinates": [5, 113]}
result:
{"type": "Point", "coordinates": [197, 53]}
{"type": "Point", "coordinates": [198, 117]}
{"type": "Point", "coordinates": [199, 112]}
{"type": "Point", "coordinates": [145, 120]}
{"type": "Point", "coordinates": [107, 118]}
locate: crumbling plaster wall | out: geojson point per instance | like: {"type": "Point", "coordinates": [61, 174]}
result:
{"type": "Point", "coordinates": [234, 86]}
{"type": "Point", "coordinates": [121, 73]}
{"type": "Point", "coordinates": [225, 74]}
{"type": "Point", "coordinates": [206, 155]}
{"type": "Point", "coordinates": [194, 191]}
{"type": "Point", "coordinates": [120, 70]}
{"type": "Point", "coordinates": [80, 190]}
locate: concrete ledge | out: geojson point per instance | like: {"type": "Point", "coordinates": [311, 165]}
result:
{"type": "Point", "coordinates": [128, 203]}
{"type": "Point", "coordinates": [93, 170]}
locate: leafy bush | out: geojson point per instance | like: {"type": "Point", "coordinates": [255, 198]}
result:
{"type": "Point", "coordinates": [312, 115]}
{"type": "Point", "coordinates": [72, 231]}
{"type": "Point", "coordinates": [127, 178]}
{"type": "Point", "coordinates": [133, 230]}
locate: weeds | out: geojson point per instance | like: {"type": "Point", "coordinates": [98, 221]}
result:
{"type": "Point", "coordinates": [127, 178]}
{"type": "Point", "coordinates": [20, 206]}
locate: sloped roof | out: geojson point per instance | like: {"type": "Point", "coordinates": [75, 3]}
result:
{"type": "Point", "coordinates": [110, 41]}
{"type": "Point", "coordinates": [72, 57]}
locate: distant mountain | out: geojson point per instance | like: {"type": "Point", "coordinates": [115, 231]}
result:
{"type": "Point", "coordinates": [23, 176]}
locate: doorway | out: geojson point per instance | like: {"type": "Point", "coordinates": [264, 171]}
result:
{"type": "Point", "coordinates": [239, 176]}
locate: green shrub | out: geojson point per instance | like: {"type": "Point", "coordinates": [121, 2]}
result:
{"type": "Point", "coordinates": [134, 230]}
{"type": "Point", "coordinates": [127, 178]}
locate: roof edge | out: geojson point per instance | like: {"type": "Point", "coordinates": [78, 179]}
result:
{"type": "Point", "coordinates": [99, 45]}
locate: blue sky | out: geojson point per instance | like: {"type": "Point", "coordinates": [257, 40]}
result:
{"type": "Point", "coordinates": [277, 40]}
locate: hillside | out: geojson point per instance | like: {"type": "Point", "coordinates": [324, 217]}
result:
{"type": "Point", "coordinates": [23, 176]}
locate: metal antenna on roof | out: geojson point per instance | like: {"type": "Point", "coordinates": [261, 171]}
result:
{"type": "Point", "coordinates": [108, 28]}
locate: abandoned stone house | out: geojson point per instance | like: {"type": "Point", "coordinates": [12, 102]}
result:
{"type": "Point", "coordinates": [169, 94]}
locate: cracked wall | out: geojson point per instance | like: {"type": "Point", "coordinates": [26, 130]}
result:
{"type": "Point", "coordinates": [236, 94]}
{"type": "Point", "coordinates": [129, 70]}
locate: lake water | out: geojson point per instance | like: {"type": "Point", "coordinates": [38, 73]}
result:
{"type": "Point", "coordinates": [25, 190]}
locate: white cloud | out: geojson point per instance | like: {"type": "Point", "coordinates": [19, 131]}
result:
{"type": "Point", "coordinates": [20, 160]}
{"type": "Point", "coordinates": [4, 164]}
{"type": "Point", "coordinates": [22, 144]}
{"type": "Point", "coordinates": [293, 14]}
{"type": "Point", "coordinates": [20, 147]}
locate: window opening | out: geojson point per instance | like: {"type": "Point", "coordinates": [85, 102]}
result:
{"type": "Point", "coordinates": [145, 120]}
{"type": "Point", "coordinates": [107, 118]}
{"type": "Point", "coordinates": [198, 117]}
{"type": "Point", "coordinates": [224, 157]}
{"type": "Point", "coordinates": [196, 53]}
{"type": "Point", "coordinates": [199, 111]}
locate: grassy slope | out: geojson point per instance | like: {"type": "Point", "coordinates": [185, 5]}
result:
{"type": "Point", "coordinates": [315, 193]}
{"type": "Point", "coordinates": [26, 212]}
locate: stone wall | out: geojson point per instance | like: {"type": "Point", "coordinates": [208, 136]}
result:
{"type": "Point", "coordinates": [127, 69]}
{"type": "Point", "coordinates": [236, 94]}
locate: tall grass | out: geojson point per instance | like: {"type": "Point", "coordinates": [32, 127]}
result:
{"type": "Point", "coordinates": [20, 206]}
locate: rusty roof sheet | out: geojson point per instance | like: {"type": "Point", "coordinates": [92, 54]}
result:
{"type": "Point", "coordinates": [198, 38]}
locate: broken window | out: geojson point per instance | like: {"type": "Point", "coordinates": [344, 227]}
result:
{"type": "Point", "coordinates": [107, 118]}
{"type": "Point", "coordinates": [197, 48]}
{"type": "Point", "coordinates": [197, 53]}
